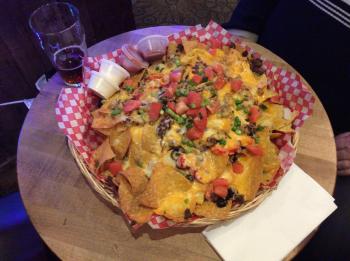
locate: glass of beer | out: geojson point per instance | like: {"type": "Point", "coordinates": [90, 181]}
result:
{"type": "Point", "coordinates": [61, 35]}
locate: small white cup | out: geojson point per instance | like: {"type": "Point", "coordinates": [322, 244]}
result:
{"type": "Point", "coordinates": [100, 86]}
{"type": "Point", "coordinates": [113, 73]}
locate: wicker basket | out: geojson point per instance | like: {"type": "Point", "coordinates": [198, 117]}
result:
{"type": "Point", "coordinates": [108, 195]}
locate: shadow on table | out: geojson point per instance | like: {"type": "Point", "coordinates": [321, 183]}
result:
{"type": "Point", "coordinates": [157, 234]}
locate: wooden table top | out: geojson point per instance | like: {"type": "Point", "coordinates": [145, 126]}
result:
{"type": "Point", "coordinates": [77, 225]}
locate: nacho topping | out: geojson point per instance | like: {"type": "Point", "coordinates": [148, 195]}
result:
{"type": "Point", "coordinates": [192, 134]}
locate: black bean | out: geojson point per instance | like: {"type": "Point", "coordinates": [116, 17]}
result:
{"type": "Point", "coordinates": [238, 198]}
{"type": "Point", "coordinates": [233, 158]}
{"type": "Point", "coordinates": [250, 129]}
{"type": "Point", "coordinates": [245, 53]}
{"type": "Point", "coordinates": [187, 214]}
{"type": "Point", "coordinates": [176, 152]}
{"type": "Point", "coordinates": [211, 141]}
{"type": "Point", "coordinates": [190, 177]}
{"type": "Point", "coordinates": [164, 126]}
{"type": "Point", "coordinates": [214, 197]}
{"type": "Point", "coordinates": [230, 194]}
{"type": "Point", "coordinates": [180, 48]}
{"type": "Point", "coordinates": [257, 62]}
{"type": "Point", "coordinates": [232, 45]}
{"type": "Point", "coordinates": [221, 203]}
{"type": "Point", "coordinates": [258, 70]}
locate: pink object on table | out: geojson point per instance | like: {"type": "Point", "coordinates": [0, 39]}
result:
{"type": "Point", "coordinates": [131, 60]}
{"type": "Point", "coordinates": [152, 47]}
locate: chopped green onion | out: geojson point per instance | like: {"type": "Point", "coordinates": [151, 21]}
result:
{"type": "Point", "coordinates": [188, 142]}
{"type": "Point", "coordinates": [192, 105]}
{"type": "Point", "coordinates": [257, 140]}
{"type": "Point", "coordinates": [237, 122]}
{"type": "Point", "coordinates": [181, 92]}
{"type": "Point", "coordinates": [260, 128]}
{"type": "Point", "coordinates": [245, 110]}
{"type": "Point", "coordinates": [176, 117]}
{"type": "Point", "coordinates": [129, 88]}
{"type": "Point", "coordinates": [191, 83]}
{"type": "Point", "coordinates": [238, 131]}
{"type": "Point", "coordinates": [239, 107]}
{"type": "Point", "coordinates": [238, 102]}
{"type": "Point", "coordinates": [222, 142]}
{"type": "Point", "coordinates": [205, 102]}
{"type": "Point", "coordinates": [177, 62]}
{"type": "Point", "coordinates": [116, 111]}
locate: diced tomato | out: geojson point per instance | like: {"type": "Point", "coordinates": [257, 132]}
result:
{"type": "Point", "coordinates": [181, 107]}
{"type": "Point", "coordinates": [115, 167]}
{"type": "Point", "coordinates": [236, 85]}
{"type": "Point", "coordinates": [192, 112]}
{"type": "Point", "coordinates": [203, 113]}
{"type": "Point", "coordinates": [254, 114]}
{"type": "Point", "coordinates": [219, 83]}
{"type": "Point", "coordinates": [221, 191]}
{"type": "Point", "coordinates": [220, 182]}
{"type": "Point", "coordinates": [209, 73]}
{"type": "Point", "coordinates": [209, 191]}
{"type": "Point", "coordinates": [175, 76]}
{"type": "Point", "coordinates": [131, 105]}
{"type": "Point", "coordinates": [275, 99]}
{"type": "Point", "coordinates": [197, 78]}
{"type": "Point", "coordinates": [171, 105]}
{"type": "Point", "coordinates": [215, 43]}
{"type": "Point", "coordinates": [212, 51]}
{"type": "Point", "coordinates": [194, 100]}
{"type": "Point", "coordinates": [214, 107]}
{"type": "Point", "coordinates": [194, 133]}
{"type": "Point", "coordinates": [154, 111]}
{"type": "Point", "coordinates": [181, 162]}
{"type": "Point", "coordinates": [237, 167]}
{"type": "Point", "coordinates": [218, 150]}
{"type": "Point", "coordinates": [218, 69]}
{"type": "Point", "coordinates": [200, 124]}
{"type": "Point", "coordinates": [128, 82]}
{"type": "Point", "coordinates": [255, 150]}
{"type": "Point", "coordinates": [170, 90]}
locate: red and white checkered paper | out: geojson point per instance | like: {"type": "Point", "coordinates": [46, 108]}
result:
{"type": "Point", "coordinates": [74, 105]}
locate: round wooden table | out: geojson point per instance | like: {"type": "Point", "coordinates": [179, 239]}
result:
{"type": "Point", "coordinates": [77, 225]}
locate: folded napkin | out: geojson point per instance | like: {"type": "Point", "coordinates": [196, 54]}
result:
{"type": "Point", "coordinates": [278, 225]}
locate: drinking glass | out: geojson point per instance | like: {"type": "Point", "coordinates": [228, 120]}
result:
{"type": "Point", "coordinates": [61, 35]}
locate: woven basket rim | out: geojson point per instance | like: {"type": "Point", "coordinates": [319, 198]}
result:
{"type": "Point", "coordinates": [199, 222]}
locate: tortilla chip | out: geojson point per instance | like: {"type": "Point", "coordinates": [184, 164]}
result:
{"type": "Point", "coordinates": [189, 45]}
{"type": "Point", "coordinates": [164, 180]}
{"type": "Point", "coordinates": [275, 118]}
{"type": "Point", "coordinates": [150, 140]}
{"type": "Point", "coordinates": [130, 204]}
{"type": "Point", "coordinates": [248, 182]}
{"type": "Point", "coordinates": [211, 168]}
{"type": "Point", "coordinates": [105, 132]}
{"type": "Point", "coordinates": [175, 206]}
{"type": "Point", "coordinates": [209, 210]}
{"type": "Point", "coordinates": [137, 179]}
{"type": "Point", "coordinates": [171, 49]}
{"type": "Point", "coordinates": [103, 153]}
{"type": "Point", "coordinates": [271, 162]}
{"type": "Point", "coordinates": [120, 142]}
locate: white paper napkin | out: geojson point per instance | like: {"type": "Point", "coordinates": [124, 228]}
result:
{"type": "Point", "coordinates": [278, 225]}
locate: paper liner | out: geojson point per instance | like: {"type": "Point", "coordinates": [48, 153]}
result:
{"type": "Point", "coordinates": [75, 104]}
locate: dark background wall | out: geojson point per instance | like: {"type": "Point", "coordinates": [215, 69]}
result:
{"type": "Point", "coordinates": [22, 62]}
